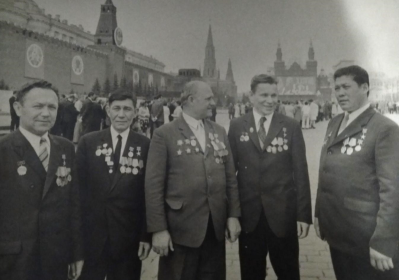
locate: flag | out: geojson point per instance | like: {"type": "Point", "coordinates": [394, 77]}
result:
{"type": "Point", "coordinates": [77, 70]}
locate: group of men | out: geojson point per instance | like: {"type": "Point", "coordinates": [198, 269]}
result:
{"type": "Point", "coordinates": [96, 213]}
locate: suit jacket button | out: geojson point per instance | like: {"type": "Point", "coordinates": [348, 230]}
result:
{"type": "Point", "coordinates": [32, 186]}
{"type": "Point", "coordinates": [329, 152]}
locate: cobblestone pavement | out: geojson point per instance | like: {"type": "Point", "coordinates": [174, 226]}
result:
{"type": "Point", "coordinates": [314, 256]}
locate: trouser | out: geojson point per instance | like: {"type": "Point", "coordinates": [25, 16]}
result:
{"type": "Point", "coordinates": [351, 267]}
{"type": "Point", "coordinates": [207, 262]}
{"type": "Point", "coordinates": [305, 121]}
{"type": "Point", "coordinates": [254, 247]}
{"type": "Point", "coordinates": [128, 268]}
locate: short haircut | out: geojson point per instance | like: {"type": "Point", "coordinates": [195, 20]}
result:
{"type": "Point", "coordinates": [91, 94]}
{"type": "Point", "coordinates": [31, 85]}
{"type": "Point", "coordinates": [262, 79]}
{"type": "Point", "coordinates": [120, 95]}
{"type": "Point", "coordinates": [358, 74]}
{"type": "Point", "coordinates": [190, 89]}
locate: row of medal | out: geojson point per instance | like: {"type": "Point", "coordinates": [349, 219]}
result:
{"type": "Point", "coordinates": [219, 149]}
{"type": "Point", "coordinates": [63, 174]}
{"type": "Point", "coordinates": [278, 144]}
{"type": "Point", "coordinates": [190, 146]}
{"type": "Point", "coordinates": [352, 144]}
{"type": "Point", "coordinates": [129, 164]}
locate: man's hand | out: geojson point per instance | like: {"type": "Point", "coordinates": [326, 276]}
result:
{"type": "Point", "coordinates": [144, 250]}
{"type": "Point", "coordinates": [75, 269]}
{"type": "Point", "coordinates": [233, 229]}
{"type": "Point", "coordinates": [317, 228]}
{"type": "Point", "coordinates": [302, 229]}
{"type": "Point", "coordinates": [380, 261]}
{"type": "Point", "coordinates": [161, 243]}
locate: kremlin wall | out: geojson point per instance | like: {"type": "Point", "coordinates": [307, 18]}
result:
{"type": "Point", "coordinates": [39, 46]}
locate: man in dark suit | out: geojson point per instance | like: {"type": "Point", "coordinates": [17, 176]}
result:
{"type": "Point", "coordinates": [156, 112]}
{"type": "Point", "coordinates": [40, 218]}
{"type": "Point", "coordinates": [111, 166]}
{"type": "Point", "coordinates": [69, 117]}
{"type": "Point", "coordinates": [357, 206]}
{"type": "Point", "coordinates": [191, 192]}
{"type": "Point", "coordinates": [273, 182]}
{"type": "Point", "coordinates": [92, 114]}
{"type": "Point", "coordinates": [14, 117]}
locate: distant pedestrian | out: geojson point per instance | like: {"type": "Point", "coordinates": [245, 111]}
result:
{"type": "Point", "coordinates": [14, 117]}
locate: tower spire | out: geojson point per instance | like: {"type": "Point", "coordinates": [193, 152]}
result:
{"type": "Point", "coordinates": [210, 38]}
{"type": "Point", "coordinates": [210, 60]}
{"type": "Point", "coordinates": [311, 51]}
{"type": "Point", "coordinates": [279, 53]}
{"type": "Point", "coordinates": [106, 24]}
{"type": "Point", "coordinates": [229, 74]}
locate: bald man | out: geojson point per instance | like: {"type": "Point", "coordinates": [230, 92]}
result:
{"type": "Point", "coordinates": [191, 191]}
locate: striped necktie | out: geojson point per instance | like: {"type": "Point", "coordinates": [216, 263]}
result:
{"type": "Point", "coordinates": [43, 153]}
{"type": "Point", "coordinates": [262, 132]}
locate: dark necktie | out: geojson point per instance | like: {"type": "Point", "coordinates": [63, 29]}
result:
{"type": "Point", "coordinates": [262, 131]}
{"type": "Point", "coordinates": [117, 153]}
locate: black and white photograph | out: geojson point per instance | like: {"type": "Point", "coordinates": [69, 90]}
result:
{"type": "Point", "coordinates": [199, 140]}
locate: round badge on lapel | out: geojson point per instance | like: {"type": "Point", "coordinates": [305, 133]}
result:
{"type": "Point", "coordinates": [21, 170]}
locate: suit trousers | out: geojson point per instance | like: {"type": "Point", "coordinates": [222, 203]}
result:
{"type": "Point", "coordinates": [351, 267]}
{"type": "Point", "coordinates": [254, 247]}
{"type": "Point", "coordinates": [128, 268]}
{"type": "Point", "coordinates": [208, 262]}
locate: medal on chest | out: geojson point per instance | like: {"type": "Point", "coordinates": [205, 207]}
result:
{"type": "Point", "coordinates": [353, 144]}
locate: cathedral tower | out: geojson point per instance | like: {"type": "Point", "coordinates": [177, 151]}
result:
{"type": "Point", "coordinates": [311, 64]}
{"type": "Point", "coordinates": [229, 74]}
{"type": "Point", "coordinates": [210, 61]}
{"type": "Point", "coordinates": [106, 24]}
{"type": "Point", "coordinates": [279, 65]}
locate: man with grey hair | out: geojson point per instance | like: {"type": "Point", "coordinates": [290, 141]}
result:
{"type": "Point", "coordinates": [191, 191]}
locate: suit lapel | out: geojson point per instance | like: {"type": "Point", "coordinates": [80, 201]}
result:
{"type": "Point", "coordinates": [25, 151]}
{"type": "Point", "coordinates": [354, 127]}
{"type": "Point", "coordinates": [275, 127]}
{"type": "Point", "coordinates": [187, 132]}
{"type": "Point", "coordinates": [131, 141]}
{"type": "Point", "coordinates": [250, 123]}
{"type": "Point", "coordinates": [56, 151]}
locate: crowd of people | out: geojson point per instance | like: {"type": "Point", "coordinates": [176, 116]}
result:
{"type": "Point", "coordinates": [95, 211]}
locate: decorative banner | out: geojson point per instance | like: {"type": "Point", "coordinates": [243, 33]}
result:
{"type": "Point", "coordinates": [77, 70]}
{"type": "Point", "coordinates": [118, 36]}
{"type": "Point", "coordinates": [163, 82]}
{"type": "Point", "coordinates": [136, 77]}
{"type": "Point", "coordinates": [34, 60]}
{"type": "Point", "coordinates": [297, 85]}
{"type": "Point", "coordinates": [150, 79]}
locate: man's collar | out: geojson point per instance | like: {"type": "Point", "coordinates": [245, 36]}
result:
{"type": "Point", "coordinates": [115, 133]}
{"type": "Point", "coordinates": [257, 115]}
{"type": "Point", "coordinates": [33, 138]}
{"type": "Point", "coordinates": [357, 112]}
{"type": "Point", "coordinates": [191, 121]}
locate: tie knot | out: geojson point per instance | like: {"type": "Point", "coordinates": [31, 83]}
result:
{"type": "Point", "coordinates": [119, 137]}
{"type": "Point", "coordinates": [262, 120]}
{"type": "Point", "coordinates": [43, 140]}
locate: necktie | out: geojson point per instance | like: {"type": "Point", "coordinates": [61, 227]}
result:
{"type": "Point", "coordinates": [262, 131]}
{"type": "Point", "coordinates": [201, 135]}
{"type": "Point", "coordinates": [117, 152]}
{"type": "Point", "coordinates": [343, 124]}
{"type": "Point", "coordinates": [43, 153]}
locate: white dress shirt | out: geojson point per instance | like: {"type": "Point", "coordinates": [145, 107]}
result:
{"type": "Point", "coordinates": [356, 113]}
{"type": "Point", "coordinates": [114, 136]}
{"type": "Point", "coordinates": [34, 140]}
{"type": "Point", "coordinates": [266, 124]}
{"type": "Point", "coordinates": [197, 127]}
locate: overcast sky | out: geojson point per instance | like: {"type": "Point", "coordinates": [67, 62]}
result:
{"type": "Point", "coordinates": [247, 31]}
